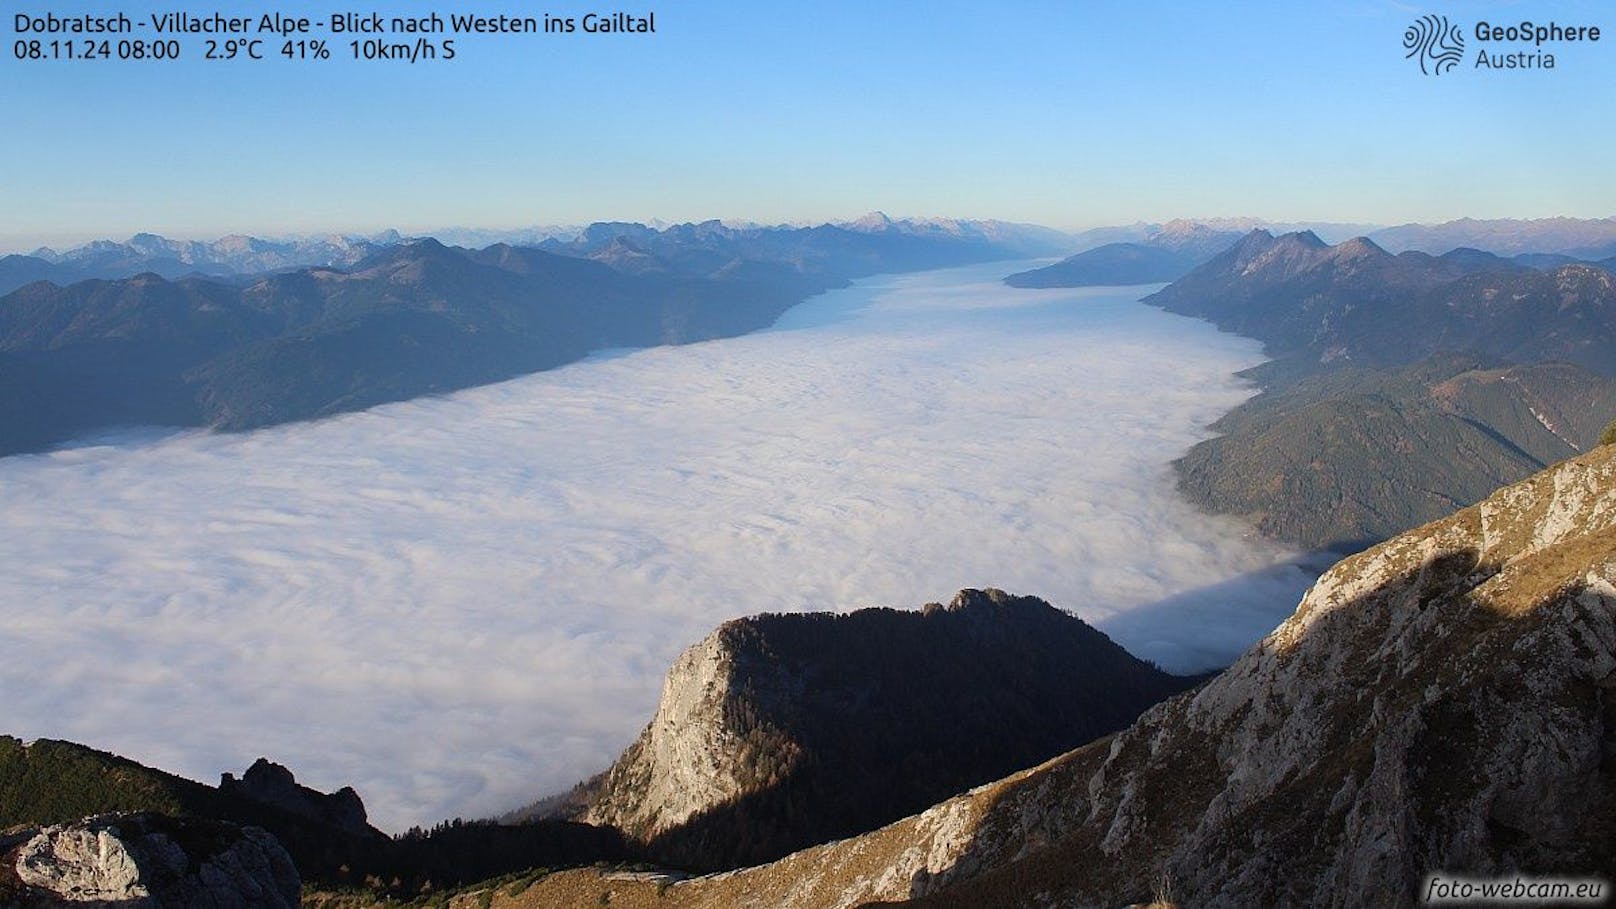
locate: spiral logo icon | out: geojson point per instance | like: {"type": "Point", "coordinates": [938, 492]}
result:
{"type": "Point", "coordinates": [1436, 44]}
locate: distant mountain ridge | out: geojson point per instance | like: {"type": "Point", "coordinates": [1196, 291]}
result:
{"type": "Point", "coordinates": [1145, 231]}
{"type": "Point", "coordinates": [1026, 240]}
{"type": "Point", "coordinates": [226, 257]}
{"type": "Point", "coordinates": [240, 255]}
{"type": "Point", "coordinates": [233, 254]}
{"type": "Point", "coordinates": [1152, 253]}
{"type": "Point", "coordinates": [1166, 253]}
{"type": "Point", "coordinates": [413, 318]}
{"type": "Point", "coordinates": [1578, 238]}
{"type": "Point", "coordinates": [1357, 302]}
{"type": "Point", "coordinates": [1581, 238]}
{"type": "Point", "coordinates": [872, 244]}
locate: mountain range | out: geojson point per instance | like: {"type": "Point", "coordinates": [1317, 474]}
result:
{"type": "Point", "coordinates": [1356, 302]}
{"type": "Point", "coordinates": [227, 256]}
{"type": "Point", "coordinates": [1402, 386]}
{"type": "Point", "coordinates": [872, 244]}
{"type": "Point", "coordinates": [1152, 253]}
{"type": "Point", "coordinates": [413, 319]}
{"type": "Point", "coordinates": [1166, 253]}
{"type": "Point", "coordinates": [1579, 238]}
{"type": "Point", "coordinates": [416, 318]}
{"type": "Point", "coordinates": [245, 256]}
{"type": "Point", "coordinates": [382, 319]}
{"type": "Point", "coordinates": [1560, 240]}
{"type": "Point", "coordinates": [1582, 238]}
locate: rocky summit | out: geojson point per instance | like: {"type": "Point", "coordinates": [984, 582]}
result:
{"type": "Point", "coordinates": [269, 783]}
{"type": "Point", "coordinates": [780, 731]}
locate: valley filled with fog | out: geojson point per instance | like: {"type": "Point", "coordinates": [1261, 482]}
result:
{"type": "Point", "coordinates": [459, 604]}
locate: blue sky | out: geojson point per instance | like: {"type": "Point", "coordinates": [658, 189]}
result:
{"type": "Point", "coordinates": [1065, 113]}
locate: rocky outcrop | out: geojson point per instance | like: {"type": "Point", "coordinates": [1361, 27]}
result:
{"type": "Point", "coordinates": [780, 731]}
{"type": "Point", "coordinates": [684, 761]}
{"type": "Point", "coordinates": [1444, 703]}
{"type": "Point", "coordinates": [270, 783]}
{"type": "Point", "coordinates": [146, 861]}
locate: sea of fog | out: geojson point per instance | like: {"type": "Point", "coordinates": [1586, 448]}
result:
{"type": "Point", "coordinates": [462, 603]}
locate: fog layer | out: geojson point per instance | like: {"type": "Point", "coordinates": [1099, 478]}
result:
{"type": "Point", "coordinates": [459, 604]}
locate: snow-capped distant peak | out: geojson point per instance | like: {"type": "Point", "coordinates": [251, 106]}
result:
{"type": "Point", "coordinates": [875, 220]}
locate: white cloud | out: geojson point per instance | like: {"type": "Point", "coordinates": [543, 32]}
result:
{"type": "Point", "coordinates": [461, 603]}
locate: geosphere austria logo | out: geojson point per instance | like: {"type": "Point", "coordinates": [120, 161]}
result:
{"type": "Point", "coordinates": [1435, 43]}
